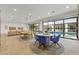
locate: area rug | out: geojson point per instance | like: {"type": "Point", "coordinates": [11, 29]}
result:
{"type": "Point", "coordinates": [53, 50]}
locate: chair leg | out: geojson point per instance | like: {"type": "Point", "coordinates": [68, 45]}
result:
{"type": "Point", "coordinates": [45, 47]}
{"type": "Point", "coordinates": [35, 42]}
{"type": "Point", "coordinates": [58, 45]}
{"type": "Point", "coordinates": [39, 46]}
{"type": "Point", "coordinates": [52, 44]}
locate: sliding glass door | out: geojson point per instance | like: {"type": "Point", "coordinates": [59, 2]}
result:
{"type": "Point", "coordinates": [59, 28]}
{"type": "Point", "coordinates": [70, 28]}
{"type": "Point", "coordinates": [67, 28]}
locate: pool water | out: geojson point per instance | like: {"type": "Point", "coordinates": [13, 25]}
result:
{"type": "Point", "coordinates": [67, 34]}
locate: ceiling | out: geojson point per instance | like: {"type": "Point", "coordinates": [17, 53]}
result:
{"type": "Point", "coordinates": [25, 12]}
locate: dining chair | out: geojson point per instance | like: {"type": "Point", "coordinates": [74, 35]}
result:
{"type": "Point", "coordinates": [43, 42]}
{"type": "Point", "coordinates": [36, 36]}
{"type": "Point", "coordinates": [55, 40]}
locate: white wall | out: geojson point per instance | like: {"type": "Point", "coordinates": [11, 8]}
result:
{"type": "Point", "coordinates": [6, 20]}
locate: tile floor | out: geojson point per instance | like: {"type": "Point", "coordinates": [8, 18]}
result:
{"type": "Point", "coordinates": [14, 45]}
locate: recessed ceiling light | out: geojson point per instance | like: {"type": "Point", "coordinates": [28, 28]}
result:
{"type": "Point", "coordinates": [14, 9]}
{"type": "Point", "coordinates": [67, 6]}
{"type": "Point", "coordinates": [48, 13]}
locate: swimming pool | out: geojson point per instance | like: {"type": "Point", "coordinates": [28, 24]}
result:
{"type": "Point", "coordinates": [66, 34]}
